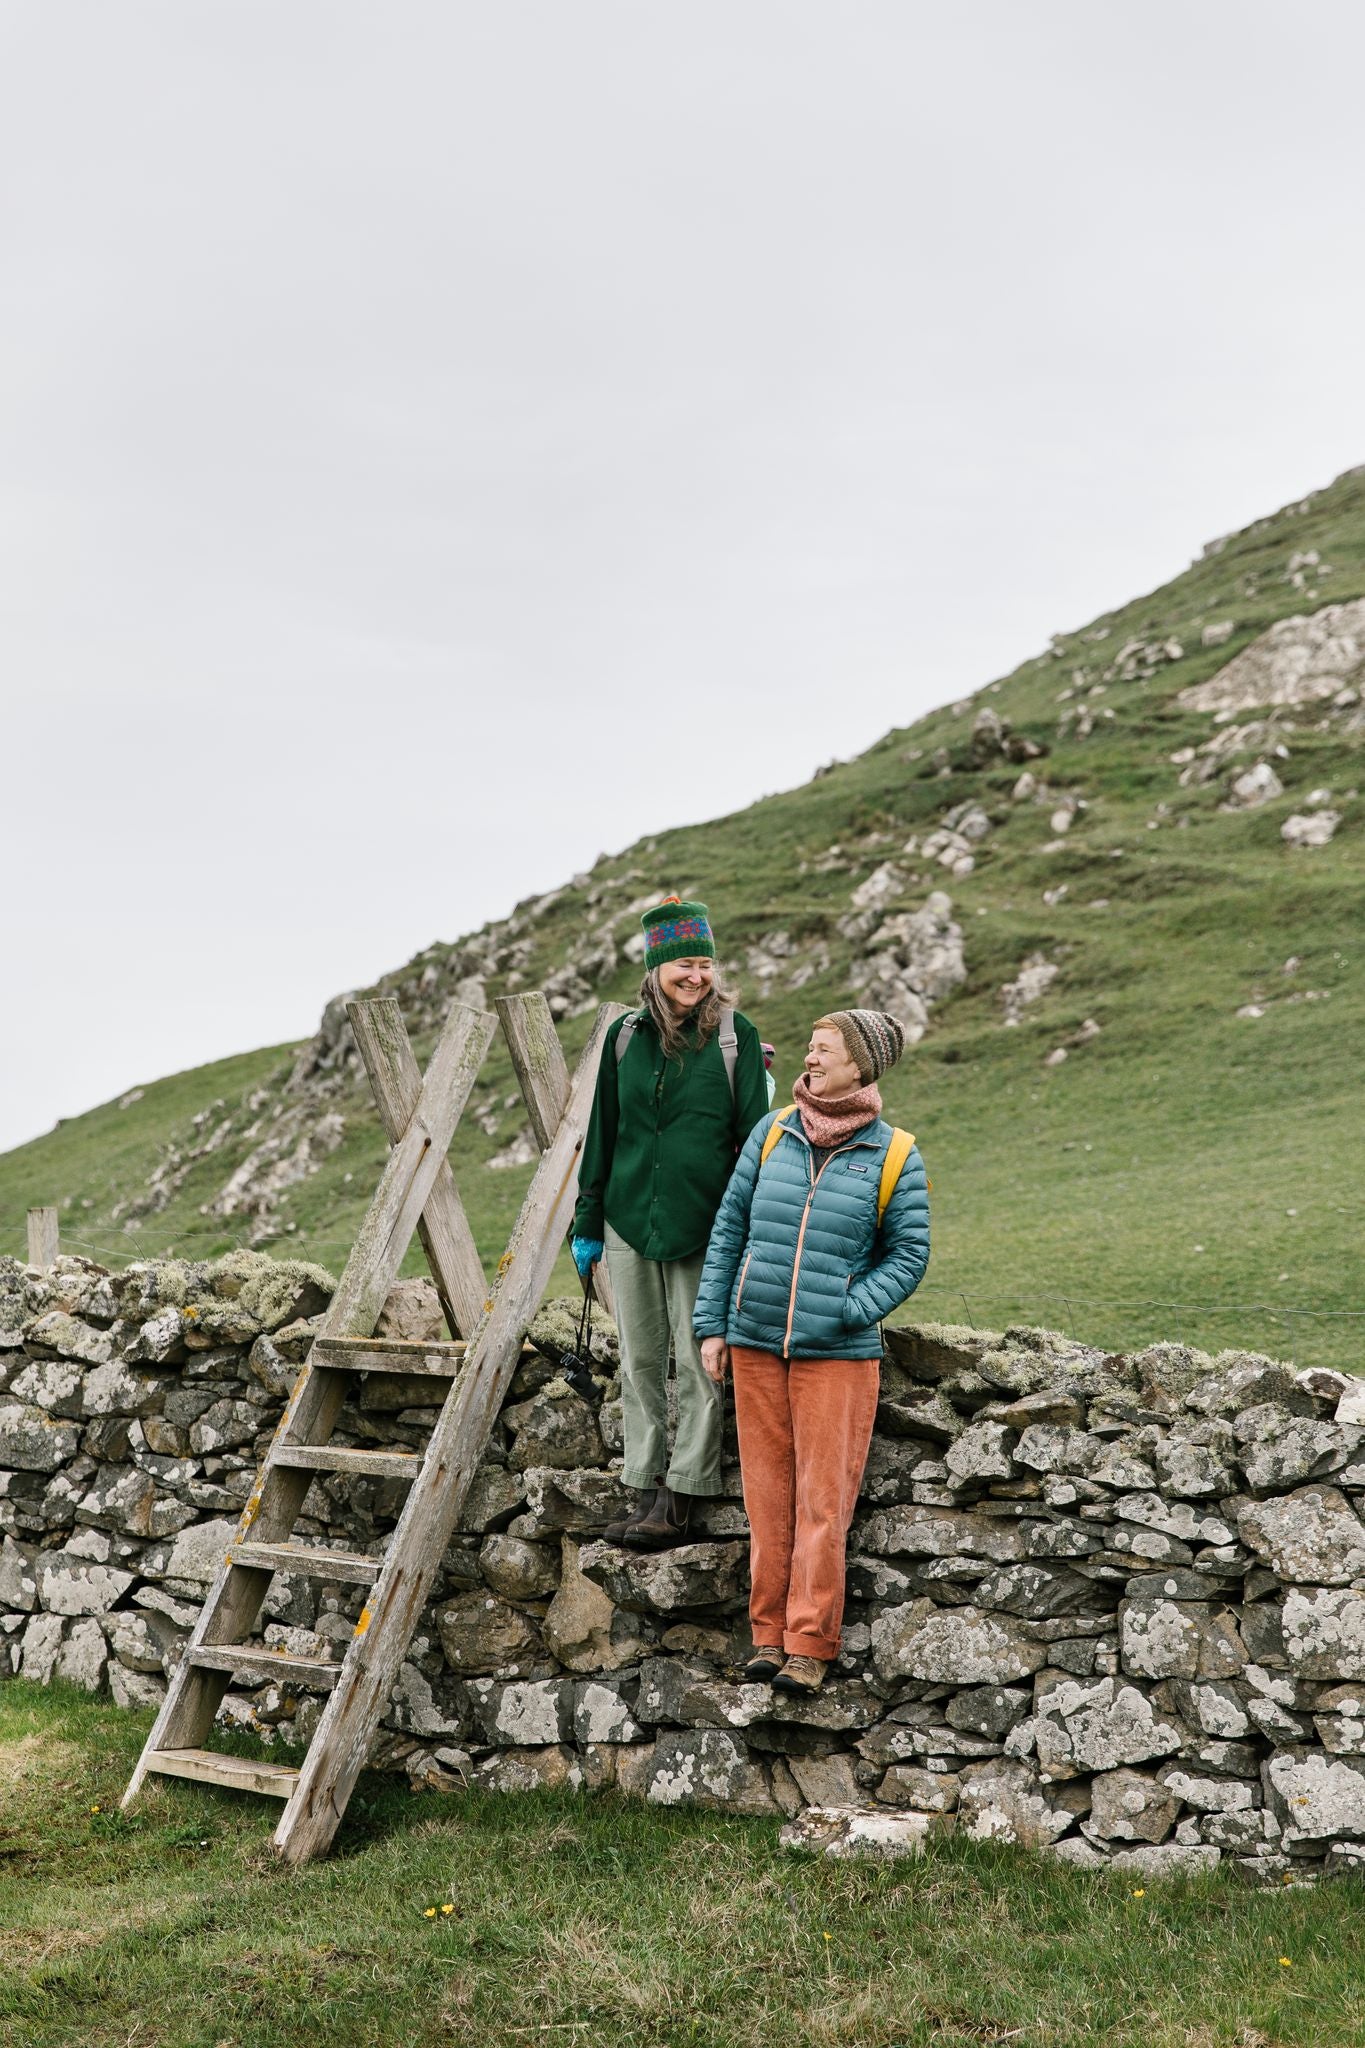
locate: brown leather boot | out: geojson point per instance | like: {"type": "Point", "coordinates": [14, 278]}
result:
{"type": "Point", "coordinates": [666, 1524]}
{"type": "Point", "coordinates": [620, 1531]}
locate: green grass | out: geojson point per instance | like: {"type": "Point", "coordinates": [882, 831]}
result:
{"type": "Point", "coordinates": [1075, 1195]}
{"type": "Point", "coordinates": [591, 1919]}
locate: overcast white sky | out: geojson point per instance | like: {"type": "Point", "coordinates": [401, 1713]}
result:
{"type": "Point", "coordinates": [440, 442]}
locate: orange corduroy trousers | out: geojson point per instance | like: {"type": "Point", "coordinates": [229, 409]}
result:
{"type": "Point", "coordinates": [804, 1430]}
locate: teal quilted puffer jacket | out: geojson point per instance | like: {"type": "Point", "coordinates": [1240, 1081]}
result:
{"type": "Point", "coordinates": [796, 1264]}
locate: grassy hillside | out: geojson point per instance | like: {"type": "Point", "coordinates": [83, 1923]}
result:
{"type": "Point", "coordinates": [1185, 1172]}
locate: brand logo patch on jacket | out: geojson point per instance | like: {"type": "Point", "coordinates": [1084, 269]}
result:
{"type": "Point", "coordinates": [852, 1168]}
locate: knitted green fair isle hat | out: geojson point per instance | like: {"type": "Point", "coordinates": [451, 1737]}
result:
{"type": "Point", "coordinates": [675, 930]}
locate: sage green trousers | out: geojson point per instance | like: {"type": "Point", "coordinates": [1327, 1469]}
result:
{"type": "Point", "coordinates": [654, 1302]}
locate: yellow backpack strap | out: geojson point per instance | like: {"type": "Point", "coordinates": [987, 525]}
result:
{"type": "Point", "coordinates": [775, 1130]}
{"type": "Point", "coordinates": [897, 1152]}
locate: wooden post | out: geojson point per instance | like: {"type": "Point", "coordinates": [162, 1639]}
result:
{"type": "Point", "coordinates": [43, 1237]}
{"type": "Point", "coordinates": [382, 1635]}
{"type": "Point", "coordinates": [543, 1076]}
{"type": "Point", "coordinates": [444, 1228]}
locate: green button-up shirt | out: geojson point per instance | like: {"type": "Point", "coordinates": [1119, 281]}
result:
{"type": "Point", "coordinates": [664, 1136]}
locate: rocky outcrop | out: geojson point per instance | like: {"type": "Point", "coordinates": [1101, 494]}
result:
{"type": "Point", "coordinates": [912, 959]}
{"type": "Point", "coordinates": [1307, 659]}
{"type": "Point", "coordinates": [1111, 1608]}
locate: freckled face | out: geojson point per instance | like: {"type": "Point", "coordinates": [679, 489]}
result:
{"type": "Point", "coordinates": [685, 983]}
{"type": "Point", "coordinates": [829, 1069]}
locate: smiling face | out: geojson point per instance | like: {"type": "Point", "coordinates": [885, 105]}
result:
{"type": "Point", "coordinates": [684, 983]}
{"type": "Point", "coordinates": [830, 1071]}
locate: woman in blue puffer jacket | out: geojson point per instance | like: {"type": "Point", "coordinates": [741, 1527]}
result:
{"type": "Point", "coordinates": [799, 1272]}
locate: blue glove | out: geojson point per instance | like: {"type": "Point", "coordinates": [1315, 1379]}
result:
{"type": "Point", "coordinates": [586, 1252]}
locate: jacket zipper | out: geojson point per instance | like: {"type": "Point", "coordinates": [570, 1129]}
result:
{"type": "Point", "coordinates": [743, 1276]}
{"type": "Point", "coordinates": [800, 1241]}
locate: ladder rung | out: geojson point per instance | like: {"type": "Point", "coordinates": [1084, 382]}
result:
{"type": "Point", "coordinates": [309, 1561]}
{"type": "Point", "coordinates": [388, 1354]}
{"type": "Point", "coordinates": [240, 1773]}
{"type": "Point", "coordinates": [339, 1458]}
{"type": "Point", "coordinates": [263, 1665]}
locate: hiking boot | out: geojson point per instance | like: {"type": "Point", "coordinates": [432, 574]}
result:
{"type": "Point", "coordinates": [801, 1675]}
{"type": "Point", "coordinates": [763, 1665]}
{"type": "Point", "coordinates": [666, 1524]}
{"type": "Point", "coordinates": [619, 1531]}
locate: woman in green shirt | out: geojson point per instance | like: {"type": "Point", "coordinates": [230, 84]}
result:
{"type": "Point", "coordinates": [670, 1114]}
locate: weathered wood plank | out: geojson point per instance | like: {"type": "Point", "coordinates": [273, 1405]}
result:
{"type": "Point", "coordinates": [263, 1666]}
{"type": "Point", "coordinates": [385, 1628]}
{"type": "Point", "coordinates": [380, 1354]}
{"type": "Point", "coordinates": [444, 1228]}
{"type": "Point", "coordinates": [413, 1167]}
{"type": "Point", "coordinates": [235, 1597]}
{"type": "Point", "coordinates": [310, 1561]}
{"type": "Point", "coordinates": [543, 1077]}
{"type": "Point", "coordinates": [44, 1237]}
{"type": "Point", "coordinates": [343, 1458]}
{"type": "Point", "coordinates": [239, 1773]}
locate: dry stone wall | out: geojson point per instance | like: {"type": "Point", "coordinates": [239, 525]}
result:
{"type": "Point", "coordinates": [1109, 1607]}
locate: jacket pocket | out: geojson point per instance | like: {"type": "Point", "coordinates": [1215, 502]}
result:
{"type": "Point", "coordinates": [743, 1276]}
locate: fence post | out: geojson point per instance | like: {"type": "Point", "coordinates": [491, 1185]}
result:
{"type": "Point", "coordinates": [43, 1237]}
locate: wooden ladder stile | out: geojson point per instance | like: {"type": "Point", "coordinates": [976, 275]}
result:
{"type": "Point", "coordinates": [417, 1191]}
{"type": "Point", "coordinates": [310, 1414]}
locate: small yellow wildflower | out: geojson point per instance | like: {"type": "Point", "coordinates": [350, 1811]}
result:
{"type": "Point", "coordinates": [94, 1809]}
{"type": "Point", "coordinates": [1141, 1892]}
{"type": "Point", "coordinates": [429, 1913]}
{"type": "Point", "coordinates": [447, 1909]}
{"type": "Point", "coordinates": [1285, 1963]}
{"type": "Point", "coordinates": [827, 1935]}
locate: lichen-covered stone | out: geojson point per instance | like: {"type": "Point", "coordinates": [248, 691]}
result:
{"type": "Point", "coordinates": [1323, 1632]}
{"type": "Point", "coordinates": [1248, 1383]}
{"type": "Point", "coordinates": [961, 1646]}
{"type": "Point", "coordinates": [554, 1430]}
{"type": "Point", "coordinates": [1168, 1859]}
{"type": "Point", "coordinates": [1130, 1806]}
{"type": "Point", "coordinates": [33, 1441]}
{"type": "Point", "coordinates": [18, 1578]}
{"type": "Point", "coordinates": [1315, 1797]}
{"type": "Point", "coordinates": [982, 1453]}
{"type": "Point", "coordinates": [554, 1768]}
{"type": "Point", "coordinates": [583, 1626]}
{"type": "Point", "coordinates": [707, 1767]}
{"type": "Point", "coordinates": [482, 1634]}
{"type": "Point", "coordinates": [852, 1833]}
{"type": "Point", "coordinates": [937, 1532]}
{"type": "Point", "coordinates": [1005, 1800]}
{"type": "Point", "coordinates": [914, 1785]}
{"type": "Point", "coordinates": [601, 1714]}
{"type": "Point", "coordinates": [68, 1585]}
{"type": "Point", "coordinates": [1279, 1449]}
{"type": "Point", "coordinates": [1312, 1536]}
{"type": "Point", "coordinates": [1096, 1726]}
{"type": "Point", "coordinates": [697, 1575]}
{"type": "Point", "coordinates": [524, 1713]}
{"type": "Point", "coordinates": [519, 1570]}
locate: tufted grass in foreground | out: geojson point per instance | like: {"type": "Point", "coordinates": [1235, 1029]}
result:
{"type": "Point", "coordinates": [571, 1919]}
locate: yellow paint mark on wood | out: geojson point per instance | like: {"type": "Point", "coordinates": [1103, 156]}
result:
{"type": "Point", "coordinates": [364, 1620]}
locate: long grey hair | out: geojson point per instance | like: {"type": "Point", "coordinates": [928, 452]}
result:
{"type": "Point", "coordinates": [671, 1025]}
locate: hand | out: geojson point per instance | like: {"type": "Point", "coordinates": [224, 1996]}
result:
{"type": "Point", "coordinates": [715, 1358]}
{"type": "Point", "coordinates": [586, 1253]}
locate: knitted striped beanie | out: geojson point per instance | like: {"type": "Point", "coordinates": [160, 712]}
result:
{"type": "Point", "coordinates": [874, 1039]}
{"type": "Point", "coordinates": [675, 930]}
